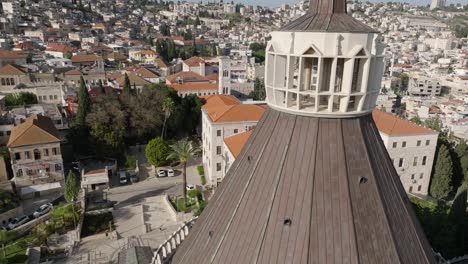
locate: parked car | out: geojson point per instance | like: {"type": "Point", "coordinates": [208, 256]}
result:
{"type": "Point", "coordinates": [133, 178]}
{"type": "Point", "coordinates": [20, 220]}
{"type": "Point", "coordinates": [170, 173]}
{"type": "Point", "coordinates": [162, 173]}
{"type": "Point", "coordinates": [42, 210]}
{"type": "Point", "coordinates": [190, 187]}
{"type": "Point", "coordinates": [122, 177]}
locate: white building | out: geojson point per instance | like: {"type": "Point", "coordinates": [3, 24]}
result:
{"type": "Point", "coordinates": [424, 87]}
{"type": "Point", "coordinates": [411, 148]}
{"type": "Point", "coordinates": [233, 76]}
{"type": "Point", "coordinates": [223, 116]}
{"type": "Point", "coordinates": [11, 7]}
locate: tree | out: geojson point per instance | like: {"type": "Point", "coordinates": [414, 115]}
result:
{"type": "Point", "coordinates": [416, 119]}
{"type": "Point", "coordinates": [182, 151]}
{"type": "Point", "coordinates": [5, 236]}
{"type": "Point", "coordinates": [168, 107]}
{"type": "Point", "coordinates": [67, 54]}
{"type": "Point", "coordinates": [441, 183]}
{"type": "Point", "coordinates": [197, 22]}
{"type": "Point", "coordinates": [20, 99]}
{"type": "Point", "coordinates": [108, 125]}
{"type": "Point", "coordinates": [72, 187]}
{"type": "Point", "coordinates": [127, 86]}
{"type": "Point", "coordinates": [259, 90]}
{"type": "Point", "coordinates": [84, 104]}
{"type": "Point", "coordinates": [156, 152]}
{"type": "Point", "coordinates": [460, 219]}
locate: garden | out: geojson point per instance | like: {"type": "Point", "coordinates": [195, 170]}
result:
{"type": "Point", "coordinates": [195, 203]}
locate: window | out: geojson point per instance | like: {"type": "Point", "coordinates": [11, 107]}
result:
{"type": "Point", "coordinates": [339, 74]}
{"type": "Point", "coordinates": [357, 75]}
{"type": "Point", "coordinates": [37, 154]}
{"type": "Point", "coordinates": [418, 143]}
{"type": "Point", "coordinates": [400, 163]}
{"type": "Point", "coordinates": [415, 161]}
{"type": "Point", "coordinates": [17, 156]}
{"type": "Point", "coordinates": [218, 166]}
{"type": "Point", "coordinates": [54, 151]}
{"type": "Point", "coordinates": [410, 189]}
{"type": "Point", "coordinates": [424, 160]}
{"type": "Point", "coordinates": [27, 155]}
{"type": "Point", "coordinates": [412, 176]}
{"type": "Point", "coordinates": [19, 173]}
{"type": "Point", "coordinates": [8, 132]}
{"type": "Point", "coordinates": [1, 133]}
{"type": "Point", "coordinates": [419, 188]}
{"type": "Point", "coordinates": [218, 132]}
{"type": "Point", "coordinates": [55, 97]}
{"type": "Point", "coordinates": [394, 145]}
{"type": "Point", "coordinates": [427, 142]}
{"type": "Point", "coordinates": [421, 175]}
{"type": "Point", "coordinates": [51, 97]}
{"type": "Point", "coordinates": [236, 131]}
{"type": "Point", "coordinates": [3, 81]}
{"type": "Point", "coordinates": [326, 74]}
{"type": "Point", "coordinates": [403, 144]}
{"type": "Point", "coordinates": [58, 167]}
{"type": "Point", "coordinates": [218, 150]}
{"type": "Point", "coordinates": [46, 152]}
{"type": "Point", "coordinates": [309, 74]}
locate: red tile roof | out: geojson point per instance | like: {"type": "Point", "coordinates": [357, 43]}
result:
{"type": "Point", "coordinates": [236, 143]}
{"type": "Point", "coordinates": [392, 125]}
{"type": "Point", "coordinates": [194, 86]}
{"type": "Point", "coordinates": [227, 108]}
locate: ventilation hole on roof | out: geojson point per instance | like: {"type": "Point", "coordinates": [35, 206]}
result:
{"type": "Point", "coordinates": [362, 180]}
{"type": "Point", "coordinates": [210, 234]}
{"type": "Point", "coordinates": [249, 158]}
{"type": "Point", "coordinates": [287, 222]}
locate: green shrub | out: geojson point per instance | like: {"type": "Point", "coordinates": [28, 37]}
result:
{"type": "Point", "coordinates": [203, 179]}
{"type": "Point", "coordinates": [130, 162]}
{"type": "Point", "coordinates": [201, 170]}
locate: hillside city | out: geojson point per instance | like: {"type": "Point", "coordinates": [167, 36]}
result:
{"type": "Point", "coordinates": [119, 120]}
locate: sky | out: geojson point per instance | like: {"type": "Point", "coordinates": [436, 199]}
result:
{"type": "Point", "coordinates": [276, 3]}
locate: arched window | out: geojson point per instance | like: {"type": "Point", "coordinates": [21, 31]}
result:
{"type": "Point", "coordinates": [12, 81]}
{"type": "Point", "coordinates": [37, 154]}
{"type": "Point", "coordinates": [3, 81]}
{"type": "Point", "coordinates": [19, 173]}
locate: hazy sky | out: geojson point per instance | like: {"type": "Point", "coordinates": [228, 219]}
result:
{"type": "Point", "coordinates": [275, 3]}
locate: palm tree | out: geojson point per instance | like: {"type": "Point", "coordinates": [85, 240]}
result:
{"type": "Point", "coordinates": [182, 151]}
{"type": "Point", "coordinates": [168, 107]}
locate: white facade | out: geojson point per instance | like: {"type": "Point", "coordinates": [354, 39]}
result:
{"type": "Point", "coordinates": [233, 77]}
{"type": "Point", "coordinates": [412, 156]}
{"type": "Point", "coordinates": [324, 74]}
{"type": "Point", "coordinates": [213, 134]}
{"type": "Point", "coordinates": [424, 87]}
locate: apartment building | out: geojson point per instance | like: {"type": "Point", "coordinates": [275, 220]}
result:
{"type": "Point", "coordinates": [411, 148]}
{"type": "Point", "coordinates": [36, 157]}
{"type": "Point", "coordinates": [233, 76]}
{"type": "Point", "coordinates": [222, 117]}
{"type": "Point", "coordinates": [424, 86]}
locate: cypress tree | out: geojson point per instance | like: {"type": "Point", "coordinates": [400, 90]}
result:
{"type": "Point", "coordinates": [126, 87]}
{"type": "Point", "coordinates": [84, 104]}
{"type": "Point", "coordinates": [441, 183]}
{"type": "Point", "coordinates": [72, 187]}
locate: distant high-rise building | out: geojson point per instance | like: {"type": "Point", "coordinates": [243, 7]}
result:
{"type": "Point", "coordinates": [437, 4]}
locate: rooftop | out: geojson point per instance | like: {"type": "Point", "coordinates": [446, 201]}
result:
{"type": "Point", "coordinates": [395, 126]}
{"type": "Point", "coordinates": [227, 108]}
{"type": "Point", "coordinates": [36, 129]}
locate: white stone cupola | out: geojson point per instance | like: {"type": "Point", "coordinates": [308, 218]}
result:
{"type": "Point", "coordinates": [324, 64]}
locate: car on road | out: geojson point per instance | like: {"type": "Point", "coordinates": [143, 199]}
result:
{"type": "Point", "coordinates": [20, 220]}
{"type": "Point", "coordinates": [170, 173]}
{"type": "Point", "coordinates": [133, 178]}
{"type": "Point", "coordinates": [190, 187]}
{"type": "Point", "coordinates": [122, 177]}
{"type": "Point", "coordinates": [162, 173]}
{"type": "Point", "coordinates": [42, 210]}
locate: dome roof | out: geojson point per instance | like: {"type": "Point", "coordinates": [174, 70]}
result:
{"type": "Point", "coordinates": [327, 16]}
{"type": "Point", "coordinates": [309, 190]}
